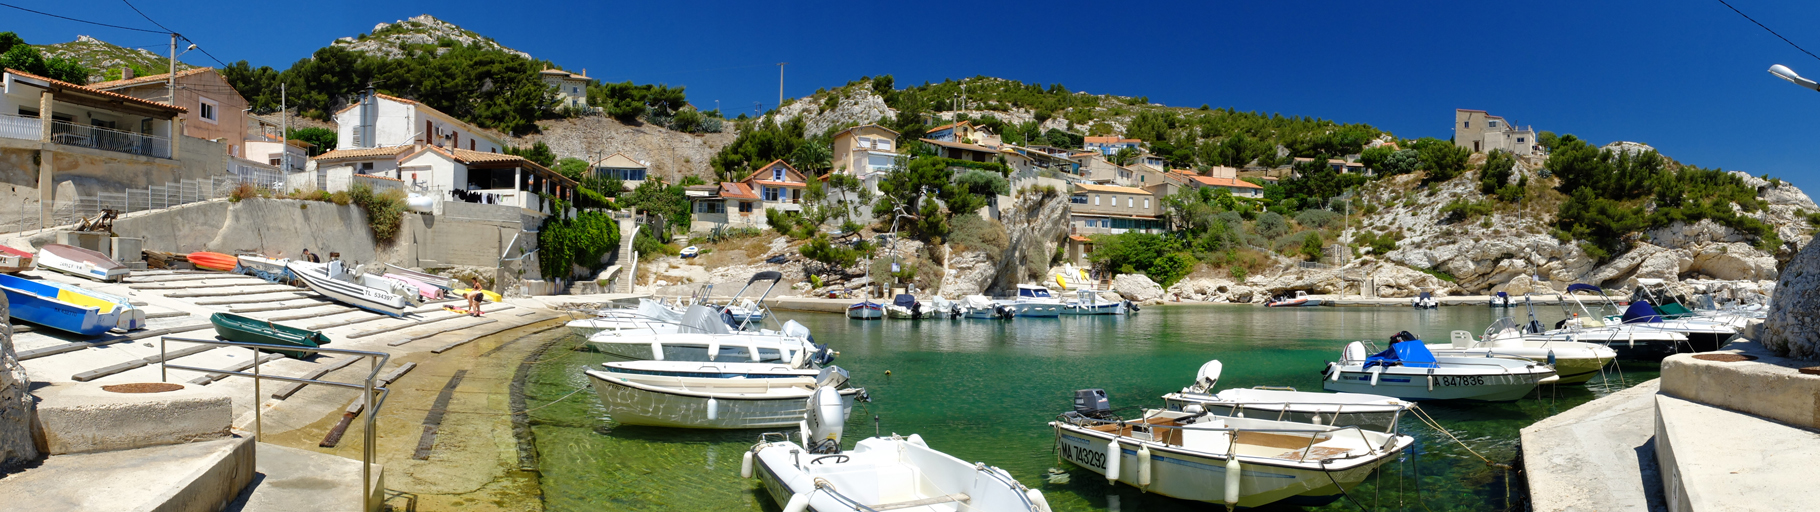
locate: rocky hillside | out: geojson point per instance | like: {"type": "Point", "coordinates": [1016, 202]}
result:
{"type": "Point", "coordinates": [671, 154]}
{"type": "Point", "coordinates": [106, 60]}
{"type": "Point", "coordinates": [392, 40]}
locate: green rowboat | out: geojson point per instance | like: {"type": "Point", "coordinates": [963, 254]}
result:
{"type": "Point", "coordinates": [244, 329]}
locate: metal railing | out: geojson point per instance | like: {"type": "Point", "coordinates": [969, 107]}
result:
{"type": "Point", "coordinates": [109, 139]}
{"type": "Point", "coordinates": [376, 360]}
{"type": "Point", "coordinates": [21, 127]}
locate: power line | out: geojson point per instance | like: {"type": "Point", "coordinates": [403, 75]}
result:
{"type": "Point", "coordinates": [142, 14]}
{"type": "Point", "coordinates": [81, 21]}
{"type": "Point", "coordinates": [1772, 32]}
{"type": "Point", "coordinates": [148, 18]}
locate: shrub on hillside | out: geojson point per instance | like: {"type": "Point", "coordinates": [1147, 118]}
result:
{"type": "Point", "coordinates": [981, 234]}
{"type": "Point", "coordinates": [1271, 225]}
{"type": "Point", "coordinates": [1317, 218]}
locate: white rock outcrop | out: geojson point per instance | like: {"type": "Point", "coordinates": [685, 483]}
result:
{"type": "Point", "coordinates": [1792, 327]}
{"type": "Point", "coordinates": [16, 445]}
{"type": "Point", "coordinates": [968, 273]}
{"type": "Point", "coordinates": [1137, 288]}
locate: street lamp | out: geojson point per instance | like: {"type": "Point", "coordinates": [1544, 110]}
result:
{"type": "Point", "coordinates": [1785, 73]}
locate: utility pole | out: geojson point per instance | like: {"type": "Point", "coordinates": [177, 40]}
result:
{"type": "Point", "coordinates": [284, 128]}
{"type": "Point", "coordinates": [780, 82]}
{"type": "Point", "coordinates": [170, 79]}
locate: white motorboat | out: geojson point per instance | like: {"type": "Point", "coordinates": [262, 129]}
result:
{"type": "Point", "coordinates": [979, 307]}
{"type": "Point", "coordinates": [1408, 371]}
{"type": "Point", "coordinates": [747, 312]}
{"type": "Point", "coordinates": [1300, 299]}
{"type": "Point", "coordinates": [690, 252]}
{"type": "Point", "coordinates": [906, 307]}
{"type": "Point", "coordinates": [1370, 412]}
{"type": "Point", "coordinates": [1502, 300]}
{"type": "Point", "coordinates": [80, 262]}
{"type": "Point", "coordinates": [1574, 362]}
{"type": "Point", "coordinates": [1089, 302]}
{"type": "Point", "coordinates": [1632, 341]}
{"type": "Point", "coordinates": [269, 269]}
{"type": "Point", "coordinates": [1244, 462]}
{"type": "Point", "coordinates": [443, 282]}
{"type": "Point", "coordinates": [878, 474]}
{"type": "Point", "coordinates": [649, 315]}
{"type": "Point", "coordinates": [717, 396]}
{"type": "Point", "coordinates": [1034, 302]}
{"type": "Point", "coordinates": [702, 335]}
{"type": "Point", "coordinates": [1425, 300]}
{"type": "Point", "coordinates": [356, 288]}
{"type": "Point", "coordinates": [943, 308]}
{"type": "Point", "coordinates": [1703, 334]}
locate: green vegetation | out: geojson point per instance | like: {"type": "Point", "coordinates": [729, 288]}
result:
{"type": "Point", "coordinates": [1162, 258]}
{"type": "Point", "coordinates": [15, 54]}
{"type": "Point", "coordinates": [658, 198]}
{"type": "Point", "coordinates": [481, 85]}
{"type": "Point", "coordinates": [1609, 194]}
{"type": "Point", "coordinates": [538, 153]}
{"type": "Point", "coordinates": [385, 210]}
{"type": "Point", "coordinates": [1462, 209]}
{"type": "Point", "coordinates": [1442, 159]}
{"type": "Point", "coordinates": [581, 240]}
{"type": "Point", "coordinates": [321, 140]}
{"type": "Point", "coordinates": [929, 195]}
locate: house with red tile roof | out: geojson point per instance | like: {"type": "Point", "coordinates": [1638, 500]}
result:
{"type": "Point", "coordinates": [773, 186]}
{"type": "Point", "coordinates": [215, 111]}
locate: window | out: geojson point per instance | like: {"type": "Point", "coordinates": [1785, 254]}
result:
{"type": "Point", "coordinates": [882, 144]}
{"type": "Point", "coordinates": [1493, 124]}
{"type": "Point", "coordinates": [1468, 125]}
{"type": "Point", "coordinates": [1078, 199]}
{"type": "Point", "coordinates": [865, 143]}
{"type": "Point", "coordinates": [366, 167]}
{"type": "Point", "coordinates": [770, 193]}
{"type": "Point", "coordinates": [710, 207]}
{"type": "Point", "coordinates": [1519, 139]}
{"type": "Point", "coordinates": [1146, 203]}
{"type": "Point", "coordinates": [575, 90]}
{"type": "Point", "coordinates": [276, 161]}
{"type": "Point", "coordinates": [745, 207]}
{"type": "Point", "coordinates": [1096, 199]}
{"type": "Point", "coordinates": [777, 174]}
{"type": "Point", "coordinates": [206, 109]}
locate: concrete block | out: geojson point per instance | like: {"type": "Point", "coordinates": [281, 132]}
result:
{"type": "Point", "coordinates": [1770, 386]}
{"type": "Point", "coordinates": [1715, 459]}
{"type": "Point", "coordinates": [128, 249]}
{"type": "Point", "coordinates": [1590, 457]}
{"type": "Point", "coordinates": [83, 417]}
{"type": "Point", "coordinates": [193, 477]}
{"type": "Point", "coordinates": [292, 479]}
{"type": "Point", "coordinates": [91, 240]}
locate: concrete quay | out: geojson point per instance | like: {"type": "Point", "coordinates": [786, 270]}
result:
{"type": "Point", "coordinates": [445, 439]}
{"type": "Point", "coordinates": [1598, 456]}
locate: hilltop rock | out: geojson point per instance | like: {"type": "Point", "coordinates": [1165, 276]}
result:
{"type": "Point", "coordinates": [858, 105]}
{"type": "Point", "coordinates": [968, 273]}
{"type": "Point", "coordinates": [670, 154]}
{"type": "Point", "coordinates": [1792, 327]}
{"type": "Point", "coordinates": [389, 39]}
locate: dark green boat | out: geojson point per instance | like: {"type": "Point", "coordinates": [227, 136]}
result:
{"type": "Point", "coordinates": [244, 329]}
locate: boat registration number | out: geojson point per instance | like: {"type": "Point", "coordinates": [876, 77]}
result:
{"type": "Point", "coordinates": [1460, 381]}
{"type": "Point", "coordinates": [1084, 456]}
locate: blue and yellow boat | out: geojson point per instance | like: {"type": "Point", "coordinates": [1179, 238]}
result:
{"type": "Point", "coordinates": [69, 308]}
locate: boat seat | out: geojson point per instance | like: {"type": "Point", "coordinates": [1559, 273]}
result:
{"type": "Point", "coordinates": [1462, 340]}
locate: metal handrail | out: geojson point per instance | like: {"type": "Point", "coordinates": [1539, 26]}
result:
{"type": "Point", "coordinates": [376, 361]}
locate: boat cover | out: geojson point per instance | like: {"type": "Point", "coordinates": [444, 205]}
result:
{"type": "Point", "coordinates": [904, 300]}
{"type": "Point", "coordinates": [1413, 354]}
{"type": "Point", "coordinates": [1503, 295]}
{"type": "Point", "coordinates": [706, 319]}
{"type": "Point", "coordinates": [977, 302]}
{"type": "Point", "coordinates": [1672, 309]}
{"type": "Point", "coordinates": [1583, 287]}
{"type": "Point", "coordinates": [1424, 295]}
{"type": "Point", "coordinates": [1640, 312]}
{"type": "Point", "coordinates": [657, 311]}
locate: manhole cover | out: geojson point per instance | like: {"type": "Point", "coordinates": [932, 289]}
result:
{"type": "Point", "coordinates": [1811, 370]}
{"type": "Point", "coordinates": [1725, 358]}
{"type": "Point", "coordinates": [142, 387]}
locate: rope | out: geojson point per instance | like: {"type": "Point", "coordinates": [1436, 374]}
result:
{"type": "Point", "coordinates": [1423, 415]}
{"type": "Point", "coordinates": [553, 402]}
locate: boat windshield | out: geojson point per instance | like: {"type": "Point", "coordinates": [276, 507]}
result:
{"type": "Point", "coordinates": [1498, 326]}
{"type": "Point", "coordinates": [1037, 293]}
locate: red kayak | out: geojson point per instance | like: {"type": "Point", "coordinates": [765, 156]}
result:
{"type": "Point", "coordinates": [213, 261]}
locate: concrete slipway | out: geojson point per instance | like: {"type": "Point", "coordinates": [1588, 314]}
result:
{"type": "Point", "coordinates": [444, 437]}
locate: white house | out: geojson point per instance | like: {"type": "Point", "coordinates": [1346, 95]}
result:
{"type": "Point", "coordinates": [471, 176]}
{"type": "Point", "coordinates": [380, 121]}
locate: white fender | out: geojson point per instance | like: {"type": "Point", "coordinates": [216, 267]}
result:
{"type": "Point", "coordinates": [1232, 480]}
{"type": "Point", "coordinates": [1375, 372]}
{"type": "Point", "coordinates": [798, 502]}
{"type": "Point", "coordinates": [1113, 454]}
{"type": "Point", "coordinates": [1431, 383]}
{"type": "Point", "coordinates": [713, 349]}
{"type": "Point", "coordinates": [657, 352]}
{"type": "Point", "coordinates": [1143, 466]}
{"type": "Point", "coordinates": [803, 426]}
{"type": "Point", "coordinates": [713, 409]}
{"type": "Point", "coordinates": [1334, 376]}
{"type": "Point", "coordinates": [1316, 420]}
{"type": "Point", "coordinates": [1036, 498]}
{"type": "Point", "coordinates": [745, 465]}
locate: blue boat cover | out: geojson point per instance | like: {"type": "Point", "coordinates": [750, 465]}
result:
{"type": "Point", "coordinates": [1640, 312]}
{"type": "Point", "coordinates": [1587, 287]}
{"type": "Point", "coordinates": [1413, 354]}
{"type": "Point", "coordinates": [1424, 295]}
{"type": "Point", "coordinates": [1502, 294]}
{"type": "Point", "coordinates": [904, 300]}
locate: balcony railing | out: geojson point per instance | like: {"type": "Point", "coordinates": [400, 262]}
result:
{"type": "Point", "coordinates": [72, 134]}
{"type": "Point", "coordinates": [21, 127]}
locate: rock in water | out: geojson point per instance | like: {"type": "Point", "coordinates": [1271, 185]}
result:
{"type": "Point", "coordinates": [1792, 328]}
{"type": "Point", "coordinates": [1137, 287]}
{"type": "Point", "coordinates": [16, 404]}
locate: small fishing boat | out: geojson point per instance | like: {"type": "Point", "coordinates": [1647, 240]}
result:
{"type": "Point", "coordinates": [247, 329]}
{"type": "Point", "coordinates": [690, 252]}
{"type": "Point", "coordinates": [1501, 300]}
{"type": "Point", "coordinates": [355, 288]}
{"type": "Point", "coordinates": [878, 474]}
{"type": "Point", "coordinates": [1703, 335]}
{"type": "Point", "coordinates": [943, 308]}
{"type": "Point", "coordinates": [1299, 300]}
{"type": "Point", "coordinates": [713, 396]}
{"type": "Point", "coordinates": [1425, 300]}
{"type": "Point", "coordinates": [866, 310]}
{"type": "Point", "coordinates": [262, 263]}
{"type": "Point", "coordinates": [1034, 302]}
{"type": "Point", "coordinates": [213, 261]}
{"type": "Point", "coordinates": [1407, 370]}
{"type": "Point", "coordinates": [426, 291]}
{"type": "Point", "coordinates": [979, 307]}
{"type": "Point", "coordinates": [703, 335]}
{"type": "Point", "coordinates": [68, 307]}
{"type": "Point", "coordinates": [432, 279]}
{"type": "Point", "coordinates": [1089, 302]}
{"type": "Point", "coordinates": [80, 262]}
{"type": "Point", "coordinates": [1376, 413]}
{"type": "Point", "coordinates": [1245, 462]}
{"type": "Point", "coordinates": [1575, 362]}
{"type": "Point", "coordinates": [14, 260]}
{"type": "Point", "coordinates": [648, 315]}
{"type": "Point", "coordinates": [904, 306]}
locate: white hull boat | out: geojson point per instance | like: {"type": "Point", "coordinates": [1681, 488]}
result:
{"type": "Point", "coordinates": [1408, 371]}
{"type": "Point", "coordinates": [431, 279]}
{"type": "Point", "coordinates": [650, 316]}
{"type": "Point", "coordinates": [1034, 302]}
{"type": "Point", "coordinates": [878, 474]}
{"type": "Point", "coordinates": [711, 397]}
{"type": "Point", "coordinates": [358, 289]}
{"type": "Point", "coordinates": [978, 307]}
{"type": "Point", "coordinates": [80, 262]}
{"type": "Point", "coordinates": [1089, 302]}
{"type": "Point", "coordinates": [1574, 362]}
{"type": "Point", "coordinates": [1245, 462]}
{"type": "Point", "coordinates": [1502, 300]}
{"type": "Point", "coordinates": [1425, 300]}
{"type": "Point", "coordinates": [1370, 412]}
{"type": "Point", "coordinates": [866, 310]}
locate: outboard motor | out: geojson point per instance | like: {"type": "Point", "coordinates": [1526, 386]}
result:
{"type": "Point", "coordinates": [823, 356]}
{"type": "Point", "coordinates": [1092, 403]}
{"type": "Point", "coordinates": [826, 416]}
{"type": "Point", "coordinates": [1206, 378]}
{"type": "Point", "coordinates": [832, 376]}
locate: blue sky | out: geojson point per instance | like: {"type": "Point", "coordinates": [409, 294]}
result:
{"type": "Point", "coordinates": [1687, 77]}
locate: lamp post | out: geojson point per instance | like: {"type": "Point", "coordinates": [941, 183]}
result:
{"type": "Point", "coordinates": [1785, 73]}
{"type": "Point", "coordinates": [171, 78]}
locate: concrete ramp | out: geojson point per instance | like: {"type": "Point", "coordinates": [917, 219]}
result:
{"type": "Point", "coordinates": [291, 479]}
{"type": "Point", "coordinates": [202, 476]}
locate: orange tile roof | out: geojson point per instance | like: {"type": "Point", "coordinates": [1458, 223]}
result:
{"type": "Point", "coordinates": [1224, 182]}
{"type": "Point", "coordinates": [1111, 188]}
{"type": "Point", "coordinates": [110, 94]}
{"type": "Point", "coordinates": [762, 168]}
{"type": "Point", "coordinates": [960, 145]}
{"type": "Point", "coordinates": [366, 153]}
{"type": "Point", "coordinates": [946, 126]}
{"type": "Point", "coordinates": [893, 132]}
{"type": "Point", "coordinates": [736, 190]}
{"type": "Point", "coordinates": [1079, 238]}
{"type": "Point", "coordinates": [147, 79]}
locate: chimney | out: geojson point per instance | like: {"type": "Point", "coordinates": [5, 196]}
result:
{"type": "Point", "coordinates": [126, 72]}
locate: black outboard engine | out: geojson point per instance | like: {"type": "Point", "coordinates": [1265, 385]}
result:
{"type": "Point", "coordinates": [1092, 403]}
{"type": "Point", "coordinates": [1402, 337]}
{"type": "Point", "coordinates": [823, 355]}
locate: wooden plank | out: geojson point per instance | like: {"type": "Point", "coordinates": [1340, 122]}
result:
{"type": "Point", "coordinates": [166, 314]}
{"type": "Point", "coordinates": [254, 301]}
{"type": "Point", "coordinates": [441, 331]}
{"type": "Point", "coordinates": [191, 286]}
{"type": "Point", "coordinates": [211, 378]}
{"type": "Point", "coordinates": [216, 275]}
{"type": "Point", "coordinates": [291, 388]}
{"type": "Point", "coordinates": [98, 342]}
{"type": "Point", "coordinates": [229, 294]}
{"type": "Point", "coordinates": [339, 310]}
{"type": "Point", "coordinates": [470, 339]}
{"type": "Point", "coordinates": [335, 433]}
{"type": "Point", "coordinates": [426, 320]}
{"type": "Point", "coordinates": [136, 363]}
{"type": "Point", "coordinates": [280, 306]}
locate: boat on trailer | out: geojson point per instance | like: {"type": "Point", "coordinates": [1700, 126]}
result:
{"type": "Point", "coordinates": [80, 262]}
{"type": "Point", "coordinates": [1371, 412]}
{"type": "Point", "coordinates": [878, 474]}
{"type": "Point", "coordinates": [68, 307]}
{"type": "Point", "coordinates": [1244, 462]}
{"type": "Point", "coordinates": [1407, 370]}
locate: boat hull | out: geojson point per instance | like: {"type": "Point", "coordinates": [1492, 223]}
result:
{"type": "Point", "coordinates": [1184, 475]}
{"type": "Point", "coordinates": [213, 261]}
{"type": "Point", "coordinates": [69, 308]}
{"type": "Point", "coordinates": [1115, 308]}
{"type": "Point", "coordinates": [315, 276]}
{"type": "Point", "coordinates": [656, 407]}
{"type": "Point", "coordinates": [1414, 386]}
{"type": "Point", "coordinates": [251, 330]}
{"type": "Point", "coordinates": [866, 311]}
{"type": "Point", "coordinates": [14, 260]}
{"type": "Point", "coordinates": [731, 349]}
{"type": "Point", "coordinates": [1036, 309]}
{"type": "Point", "coordinates": [80, 262]}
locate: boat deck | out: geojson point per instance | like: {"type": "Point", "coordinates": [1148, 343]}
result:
{"type": "Point", "coordinates": [1313, 447]}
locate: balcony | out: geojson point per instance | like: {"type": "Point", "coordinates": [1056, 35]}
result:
{"type": "Point", "coordinates": [20, 127]}
{"type": "Point", "coordinates": [108, 139]}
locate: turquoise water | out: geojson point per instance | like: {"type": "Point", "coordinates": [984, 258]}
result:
{"type": "Point", "coordinates": [984, 390]}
